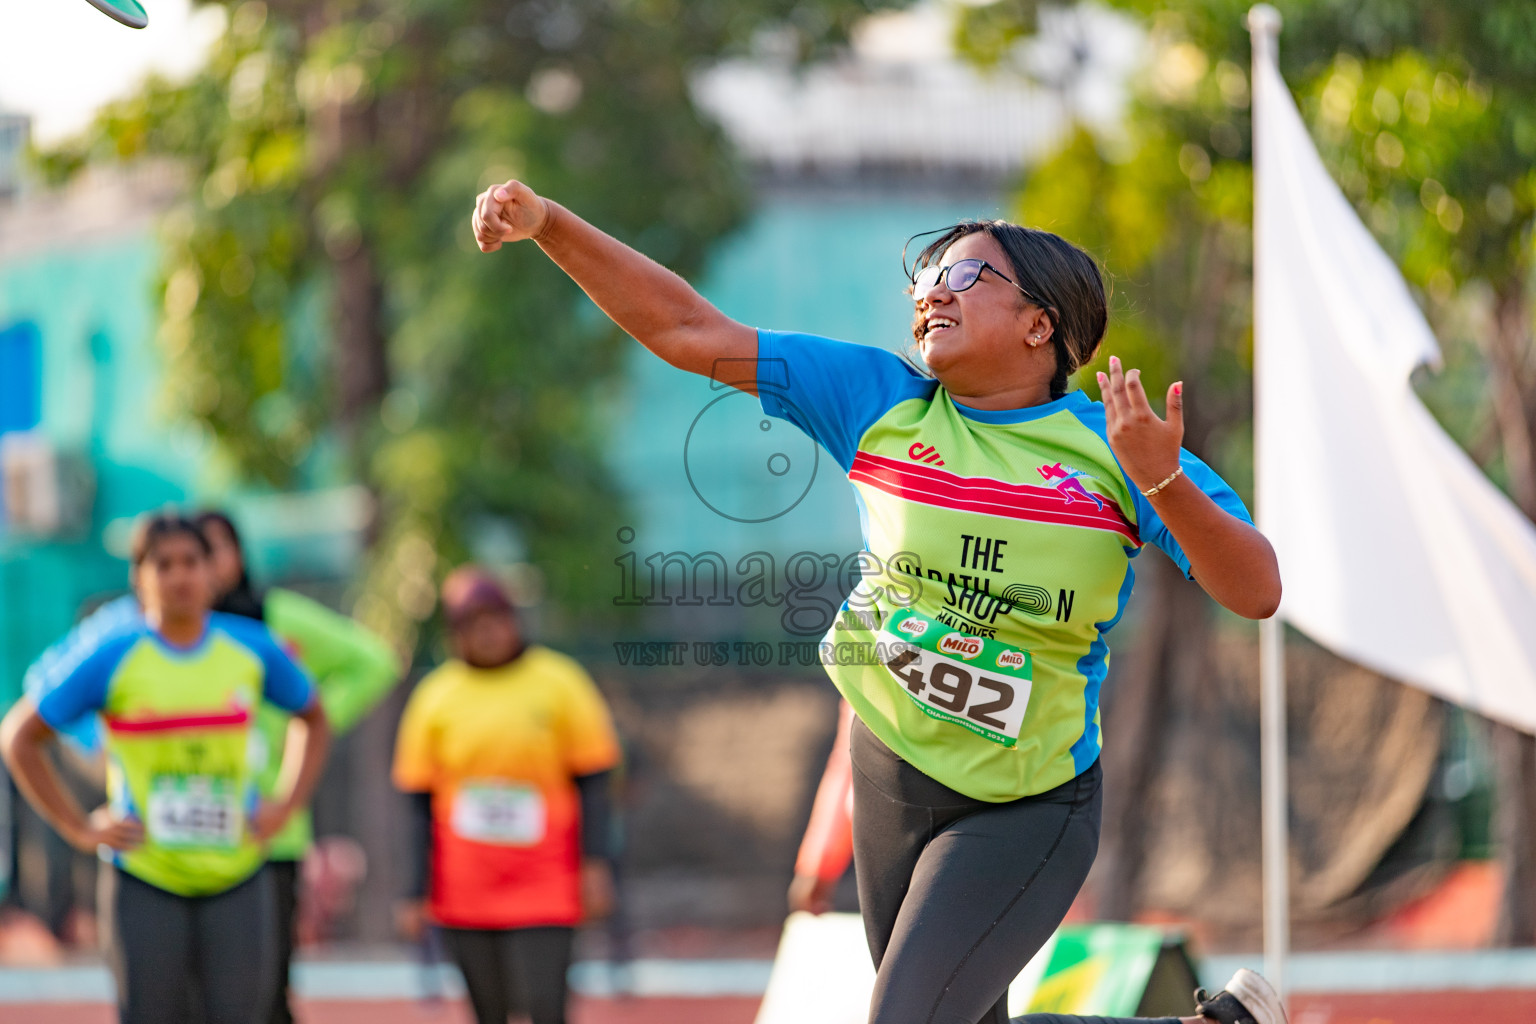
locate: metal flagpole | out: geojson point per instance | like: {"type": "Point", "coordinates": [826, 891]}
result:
{"type": "Point", "coordinates": [1275, 831]}
{"type": "Point", "coordinates": [1264, 27]}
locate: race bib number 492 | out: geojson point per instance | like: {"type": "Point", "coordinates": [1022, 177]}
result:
{"type": "Point", "coordinates": [194, 812]}
{"type": "Point", "coordinates": [972, 681]}
{"type": "Point", "coordinates": [503, 813]}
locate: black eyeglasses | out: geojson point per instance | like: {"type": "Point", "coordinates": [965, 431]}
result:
{"type": "Point", "coordinates": [960, 275]}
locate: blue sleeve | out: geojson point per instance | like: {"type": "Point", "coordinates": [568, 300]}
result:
{"type": "Point", "coordinates": [832, 390]}
{"type": "Point", "coordinates": [55, 664]}
{"type": "Point", "coordinates": [1150, 525]}
{"type": "Point", "coordinates": [284, 684]}
{"type": "Point", "coordinates": [61, 657]}
{"type": "Point", "coordinates": [83, 689]}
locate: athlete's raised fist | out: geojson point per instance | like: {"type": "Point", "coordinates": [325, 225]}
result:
{"type": "Point", "coordinates": [509, 213]}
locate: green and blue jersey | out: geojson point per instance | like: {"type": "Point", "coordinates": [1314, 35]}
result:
{"type": "Point", "coordinates": [177, 724]}
{"type": "Point", "coordinates": [351, 667]}
{"type": "Point", "coordinates": [999, 558]}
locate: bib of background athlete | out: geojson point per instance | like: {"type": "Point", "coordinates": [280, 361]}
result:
{"type": "Point", "coordinates": [194, 812]}
{"type": "Point", "coordinates": [504, 813]}
{"type": "Point", "coordinates": [127, 12]}
{"type": "Point", "coordinates": [974, 682]}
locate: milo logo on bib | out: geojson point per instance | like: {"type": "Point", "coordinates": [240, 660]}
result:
{"type": "Point", "coordinates": [961, 646]}
{"type": "Point", "coordinates": [950, 676]}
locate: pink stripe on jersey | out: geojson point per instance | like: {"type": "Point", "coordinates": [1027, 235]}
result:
{"type": "Point", "coordinates": [166, 723]}
{"type": "Point", "coordinates": [928, 485]}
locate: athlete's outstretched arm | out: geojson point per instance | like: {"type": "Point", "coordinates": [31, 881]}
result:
{"type": "Point", "coordinates": [1233, 562]}
{"type": "Point", "coordinates": [653, 305]}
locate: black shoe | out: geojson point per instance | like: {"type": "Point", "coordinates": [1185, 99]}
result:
{"type": "Point", "coordinates": [1247, 999]}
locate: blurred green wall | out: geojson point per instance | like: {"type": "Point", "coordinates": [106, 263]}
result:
{"type": "Point", "coordinates": [99, 385]}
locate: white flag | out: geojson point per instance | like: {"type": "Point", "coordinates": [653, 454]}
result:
{"type": "Point", "coordinates": [1395, 551]}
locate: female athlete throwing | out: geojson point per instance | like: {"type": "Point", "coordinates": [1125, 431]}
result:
{"type": "Point", "coordinates": [1001, 512]}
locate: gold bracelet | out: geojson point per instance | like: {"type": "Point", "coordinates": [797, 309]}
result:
{"type": "Point", "coordinates": [1171, 478]}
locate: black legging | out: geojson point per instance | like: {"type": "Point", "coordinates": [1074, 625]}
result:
{"type": "Point", "coordinates": [285, 910]}
{"type": "Point", "coordinates": [513, 970]}
{"type": "Point", "coordinates": [957, 894]}
{"type": "Point", "coordinates": [166, 946]}
{"type": "Point", "coordinates": [284, 886]}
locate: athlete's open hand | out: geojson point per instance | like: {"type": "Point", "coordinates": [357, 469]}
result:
{"type": "Point", "coordinates": [1147, 447]}
{"type": "Point", "coordinates": [509, 213]}
{"type": "Point", "coordinates": [102, 828]}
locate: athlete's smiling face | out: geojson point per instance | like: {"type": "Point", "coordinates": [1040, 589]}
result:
{"type": "Point", "coordinates": [988, 339]}
{"type": "Point", "coordinates": [174, 581]}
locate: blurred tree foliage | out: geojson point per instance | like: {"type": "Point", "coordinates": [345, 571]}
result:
{"type": "Point", "coordinates": [326, 313]}
{"type": "Point", "coordinates": [1426, 115]}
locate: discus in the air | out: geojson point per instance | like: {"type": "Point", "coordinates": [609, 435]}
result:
{"type": "Point", "coordinates": [128, 12]}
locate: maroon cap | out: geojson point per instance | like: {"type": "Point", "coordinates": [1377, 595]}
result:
{"type": "Point", "coordinates": [469, 590]}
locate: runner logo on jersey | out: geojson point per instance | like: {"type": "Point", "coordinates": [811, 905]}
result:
{"type": "Point", "coordinates": [1070, 486]}
{"type": "Point", "coordinates": [913, 627]}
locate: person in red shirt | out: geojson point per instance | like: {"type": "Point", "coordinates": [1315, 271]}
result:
{"type": "Point", "coordinates": [507, 752]}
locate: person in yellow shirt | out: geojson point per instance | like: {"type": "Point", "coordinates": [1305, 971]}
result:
{"type": "Point", "coordinates": [507, 752]}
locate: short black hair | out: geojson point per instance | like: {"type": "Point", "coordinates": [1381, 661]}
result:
{"type": "Point", "coordinates": [151, 529]}
{"type": "Point", "coordinates": [1062, 276]}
